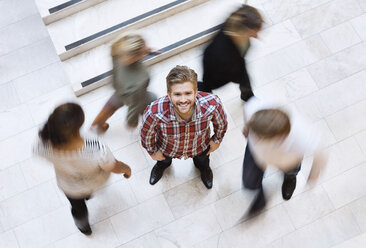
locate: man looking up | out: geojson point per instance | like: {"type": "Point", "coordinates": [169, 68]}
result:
{"type": "Point", "coordinates": [178, 125]}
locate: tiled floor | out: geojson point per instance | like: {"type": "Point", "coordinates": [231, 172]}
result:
{"type": "Point", "coordinates": [311, 56]}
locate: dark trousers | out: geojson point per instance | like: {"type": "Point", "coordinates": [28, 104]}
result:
{"type": "Point", "coordinates": [78, 208]}
{"type": "Point", "coordinates": [253, 174]}
{"type": "Point", "coordinates": [201, 161]}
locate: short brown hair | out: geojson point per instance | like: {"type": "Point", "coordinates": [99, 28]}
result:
{"type": "Point", "coordinates": [181, 74]}
{"type": "Point", "coordinates": [269, 123]}
{"type": "Point", "coordinates": [246, 17]}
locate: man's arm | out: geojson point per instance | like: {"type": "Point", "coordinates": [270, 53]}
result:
{"type": "Point", "coordinates": [319, 163]}
{"type": "Point", "coordinates": [219, 122]}
{"type": "Point", "coordinates": [149, 131]}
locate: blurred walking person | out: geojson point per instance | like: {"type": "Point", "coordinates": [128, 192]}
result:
{"type": "Point", "coordinates": [279, 139]}
{"type": "Point", "coordinates": [223, 59]}
{"type": "Point", "coordinates": [130, 81]}
{"type": "Point", "coordinates": [82, 164]}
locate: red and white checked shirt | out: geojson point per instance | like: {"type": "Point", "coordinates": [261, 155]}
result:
{"type": "Point", "coordinates": [176, 138]}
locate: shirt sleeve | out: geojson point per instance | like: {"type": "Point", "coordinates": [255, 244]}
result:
{"type": "Point", "coordinates": [219, 122]}
{"type": "Point", "coordinates": [149, 131]}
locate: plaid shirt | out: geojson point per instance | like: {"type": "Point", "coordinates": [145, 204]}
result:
{"type": "Point", "coordinates": [176, 138]}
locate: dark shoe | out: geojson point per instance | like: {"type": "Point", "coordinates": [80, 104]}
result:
{"type": "Point", "coordinates": [258, 204]}
{"type": "Point", "coordinates": [206, 176]}
{"type": "Point", "coordinates": [288, 187]}
{"type": "Point", "coordinates": [156, 173]}
{"type": "Point", "coordinates": [83, 225]}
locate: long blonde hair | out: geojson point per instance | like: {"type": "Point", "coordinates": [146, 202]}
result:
{"type": "Point", "coordinates": [129, 44]}
{"type": "Point", "coordinates": [243, 19]}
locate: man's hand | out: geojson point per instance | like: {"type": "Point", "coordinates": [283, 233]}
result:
{"type": "Point", "coordinates": [213, 147]}
{"type": "Point", "coordinates": [127, 172]}
{"type": "Point", "coordinates": [158, 156]}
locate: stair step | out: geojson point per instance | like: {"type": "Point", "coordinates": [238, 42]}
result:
{"type": "Point", "coordinates": [54, 10]}
{"type": "Point", "coordinates": [104, 22]}
{"type": "Point", "coordinates": [167, 52]}
{"type": "Point", "coordinates": [160, 35]}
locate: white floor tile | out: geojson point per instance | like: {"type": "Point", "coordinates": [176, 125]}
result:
{"type": "Point", "coordinates": [15, 120]}
{"type": "Point", "coordinates": [232, 209]}
{"type": "Point", "coordinates": [36, 171]}
{"type": "Point", "coordinates": [17, 148]}
{"type": "Point", "coordinates": [27, 205]}
{"type": "Point", "coordinates": [358, 24]}
{"type": "Point", "coordinates": [270, 225]}
{"type": "Point", "coordinates": [190, 229]}
{"type": "Point", "coordinates": [358, 209]}
{"type": "Point", "coordinates": [216, 241]}
{"type": "Point", "coordinates": [11, 182]}
{"type": "Point", "coordinates": [16, 10]}
{"type": "Point", "coordinates": [340, 226]}
{"type": "Point", "coordinates": [8, 240]}
{"type": "Point", "coordinates": [355, 242]}
{"type": "Point", "coordinates": [133, 156]}
{"type": "Point", "coordinates": [103, 236]}
{"type": "Point", "coordinates": [228, 177]}
{"type": "Point", "coordinates": [189, 197]}
{"type": "Point", "coordinates": [362, 4]}
{"type": "Point", "coordinates": [334, 97]}
{"type": "Point", "coordinates": [41, 107]}
{"type": "Point", "coordinates": [282, 10]}
{"type": "Point", "coordinates": [27, 59]}
{"type": "Point", "coordinates": [339, 66]}
{"type": "Point", "coordinates": [232, 147]}
{"type": "Point", "coordinates": [144, 218]}
{"type": "Point", "coordinates": [287, 60]}
{"type": "Point", "coordinates": [46, 229]}
{"type": "Point", "coordinates": [22, 33]}
{"type": "Point", "coordinates": [110, 201]}
{"type": "Point", "coordinates": [347, 187]}
{"type": "Point", "coordinates": [288, 88]}
{"type": "Point", "coordinates": [146, 241]}
{"type": "Point", "coordinates": [348, 121]}
{"type": "Point", "coordinates": [343, 156]}
{"type": "Point", "coordinates": [340, 37]}
{"type": "Point", "coordinates": [308, 207]}
{"type": "Point", "coordinates": [40, 82]}
{"type": "Point", "coordinates": [8, 96]}
{"type": "Point", "coordinates": [326, 16]}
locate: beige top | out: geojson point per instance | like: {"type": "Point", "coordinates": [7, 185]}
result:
{"type": "Point", "coordinates": [81, 172]}
{"type": "Point", "coordinates": [287, 153]}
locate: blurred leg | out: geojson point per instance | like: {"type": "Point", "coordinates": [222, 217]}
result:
{"type": "Point", "coordinates": [202, 162]}
{"type": "Point", "coordinates": [79, 212]}
{"type": "Point", "coordinates": [107, 111]}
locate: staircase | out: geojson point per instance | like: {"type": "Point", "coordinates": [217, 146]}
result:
{"type": "Point", "coordinates": [83, 30]}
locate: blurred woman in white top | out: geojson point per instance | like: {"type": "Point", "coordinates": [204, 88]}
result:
{"type": "Point", "coordinates": [82, 164]}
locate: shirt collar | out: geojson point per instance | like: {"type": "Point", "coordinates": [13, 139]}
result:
{"type": "Point", "coordinates": [197, 113]}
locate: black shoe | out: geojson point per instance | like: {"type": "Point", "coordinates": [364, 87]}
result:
{"type": "Point", "coordinates": [156, 173]}
{"type": "Point", "coordinates": [258, 204]}
{"type": "Point", "coordinates": [83, 225]}
{"type": "Point", "coordinates": [206, 176]}
{"type": "Point", "coordinates": [288, 187]}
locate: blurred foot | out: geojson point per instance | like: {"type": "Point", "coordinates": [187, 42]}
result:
{"type": "Point", "coordinates": [258, 204]}
{"type": "Point", "coordinates": [288, 187]}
